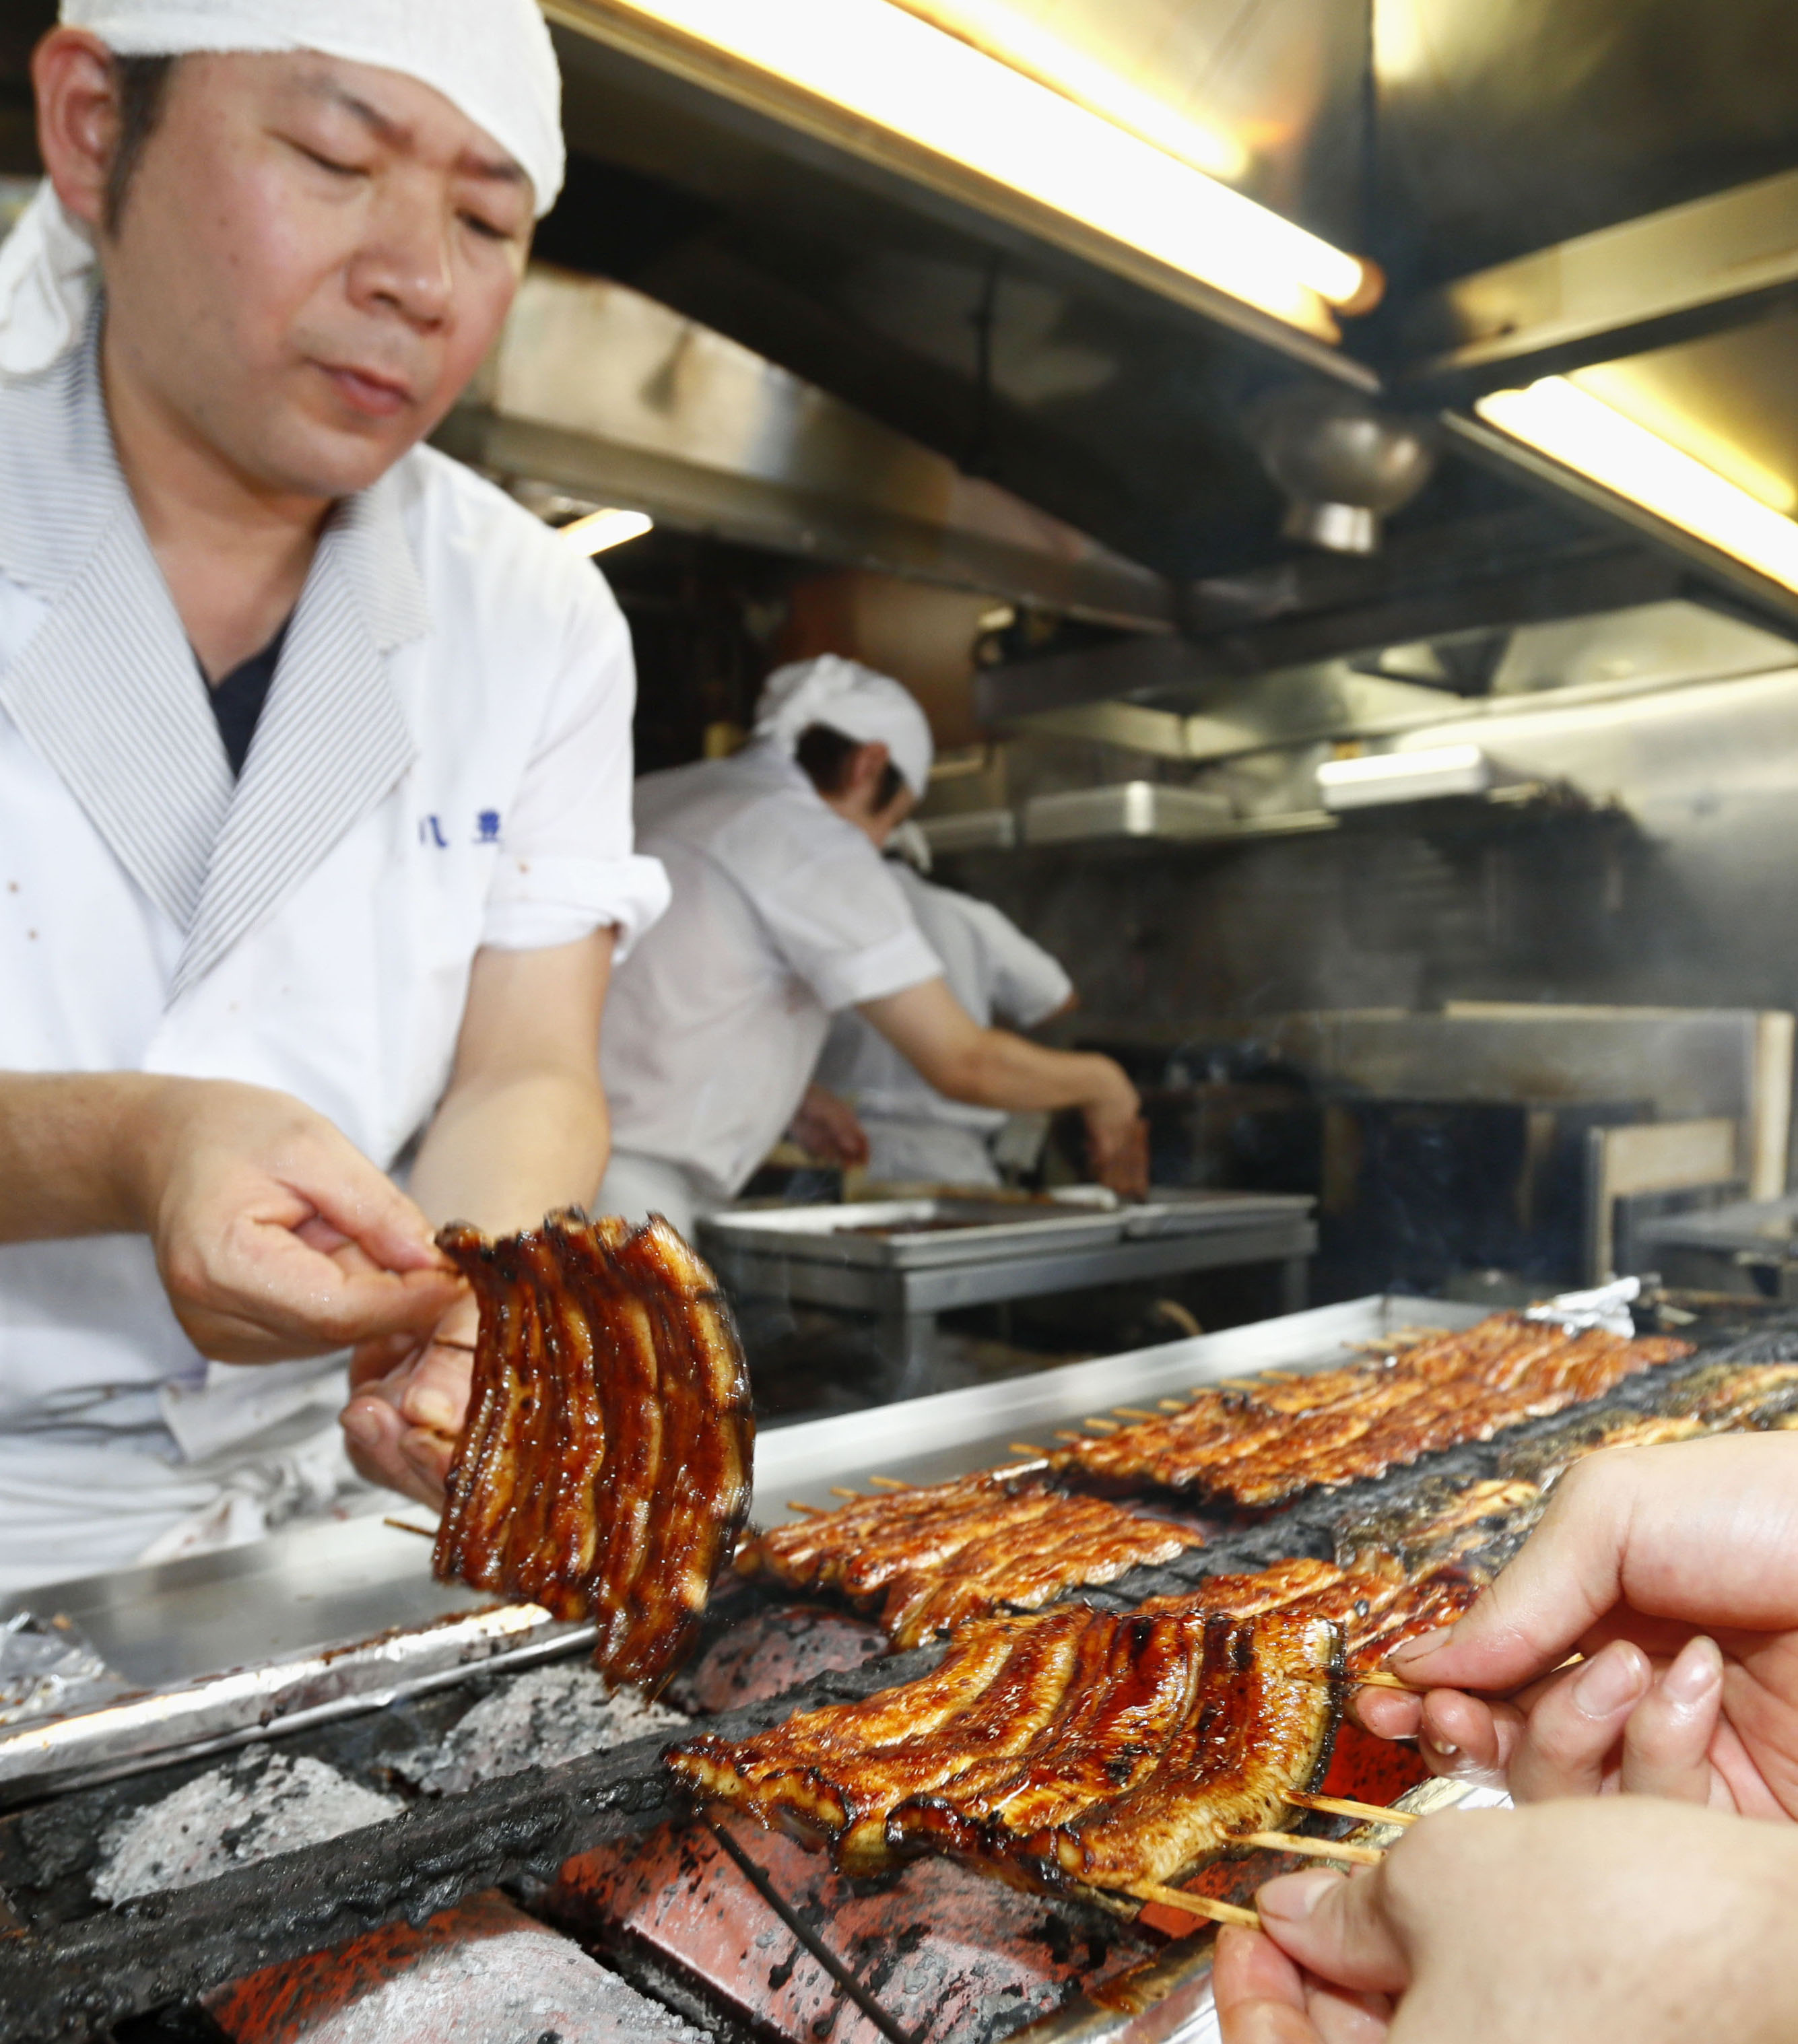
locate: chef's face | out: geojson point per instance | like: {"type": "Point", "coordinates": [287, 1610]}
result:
{"type": "Point", "coordinates": [311, 259]}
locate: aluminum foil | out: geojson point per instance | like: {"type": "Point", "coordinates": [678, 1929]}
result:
{"type": "Point", "coordinates": [49, 1668]}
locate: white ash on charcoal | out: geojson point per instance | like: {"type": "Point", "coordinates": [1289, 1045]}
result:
{"type": "Point", "coordinates": [772, 1652]}
{"type": "Point", "coordinates": [251, 1808]}
{"type": "Point", "coordinates": [543, 1718]}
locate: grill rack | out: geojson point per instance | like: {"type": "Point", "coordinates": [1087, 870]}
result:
{"type": "Point", "coordinates": [66, 1978]}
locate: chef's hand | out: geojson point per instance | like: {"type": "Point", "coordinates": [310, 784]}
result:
{"type": "Point", "coordinates": [1674, 1570]}
{"type": "Point", "coordinates": [274, 1236]}
{"type": "Point", "coordinates": [409, 1397]}
{"type": "Point", "coordinates": [1626, 1921]}
{"type": "Point", "coordinates": [827, 1128]}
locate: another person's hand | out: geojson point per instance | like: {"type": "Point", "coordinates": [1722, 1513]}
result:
{"type": "Point", "coordinates": [409, 1396]}
{"type": "Point", "coordinates": [274, 1236]}
{"type": "Point", "coordinates": [1674, 1571]}
{"type": "Point", "coordinates": [1117, 1136]}
{"type": "Point", "coordinates": [1624, 1922]}
{"type": "Point", "coordinates": [827, 1128]}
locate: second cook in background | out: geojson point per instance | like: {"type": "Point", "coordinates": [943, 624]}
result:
{"type": "Point", "coordinates": [914, 1132]}
{"type": "Point", "coordinates": [785, 914]}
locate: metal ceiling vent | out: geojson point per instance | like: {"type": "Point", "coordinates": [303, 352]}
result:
{"type": "Point", "coordinates": [1344, 465]}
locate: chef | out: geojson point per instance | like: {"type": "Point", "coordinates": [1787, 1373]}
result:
{"type": "Point", "coordinates": [912, 1132]}
{"type": "Point", "coordinates": [784, 914]}
{"type": "Point", "coordinates": [315, 846]}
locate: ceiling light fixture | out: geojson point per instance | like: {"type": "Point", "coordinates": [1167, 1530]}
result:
{"type": "Point", "coordinates": [600, 530]}
{"type": "Point", "coordinates": [1007, 31]}
{"type": "Point", "coordinates": [885, 67]}
{"type": "Point", "coordinates": [1571, 426]}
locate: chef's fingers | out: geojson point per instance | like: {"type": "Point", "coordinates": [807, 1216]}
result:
{"type": "Point", "coordinates": [1467, 1738]}
{"type": "Point", "coordinates": [1259, 1993]}
{"type": "Point", "coordinates": [436, 1391]}
{"type": "Point", "coordinates": [1336, 1928]}
{"type": "Point", "coordinates": [1574, 1727]}
{"type": "Point", "coordinates": [347, 1193]}
{"type": "Point", "coordinates": [371, 1362]}
{"type": "Point", "coordinates": [385, 1450]}
{"type": "Point", "coordinates": [1667, 1740]}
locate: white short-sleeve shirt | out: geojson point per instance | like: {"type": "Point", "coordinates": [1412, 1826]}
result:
{"type": "Point", "coordinates": [993, 970]}
{"type": "Point", "coordinates": [443, 762]}
{"type": "Point", "coordinates": [784, 913]}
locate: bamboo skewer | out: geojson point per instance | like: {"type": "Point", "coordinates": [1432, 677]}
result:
{"type": "Point", "coordinates": [1026, 1448]}
{"type": "Point", "coordinates": [1343, 1806]}
{"type": "Point", "coordinates": [799, 1504]}
{"type": "Point", "coordinates": [1290, 1841]}
{"type": "Point", "coordinates": [889, 1483]}
{"type": "Point", "coordinates": [406, 1525]}
{"type": "Point", "coordinates": [1202, 1906]}
{"type": "Point", "coordinates": [837, 1490]}
{"type": "Point", "coordinates": [1135, 1413]}
{"type": "Point", "coordinates": [1172, 1405]}
{"type": "Point", "coordinates": [1103, 1425]}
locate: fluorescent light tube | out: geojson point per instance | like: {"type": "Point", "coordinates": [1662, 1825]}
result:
{"type": "Point", "coordinates": [1009, 33]}
{"type": "Point", "coordinates": [1570, 425]}
{"type": "Point", "coordinates": [887, 67]}
{"type": "Point", "coordinates": [600, 530]}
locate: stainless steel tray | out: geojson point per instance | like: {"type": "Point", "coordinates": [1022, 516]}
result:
{"type": "Point", "coordinates": [1207, 1213]}
{"type": "Point", "coordinates": [925, 1234]}
{"type": "Point", "coordinates": [312, 1623]}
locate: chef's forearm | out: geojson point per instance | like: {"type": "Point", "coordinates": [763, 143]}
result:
{"type": "Point", "coordinates": [504, 1150]}
{"type": "Point", "coordinates": [70, 1152]}
{"type": "Point", "coordinates": [999, 1070]}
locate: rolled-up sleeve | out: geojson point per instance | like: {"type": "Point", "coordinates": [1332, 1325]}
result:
{"type": "Point", "coordinates": [835, 914]}
{"type": "Point", "coordinates": [566, 862]}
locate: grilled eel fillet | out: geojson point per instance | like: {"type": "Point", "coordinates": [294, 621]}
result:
{"type": "Point", "coordinates": [933, 1557]}
{"type": "Point", "coordinates": [1074, 1747]}
{"type": "Point", "coordinates": [604, 1468]}
{"type": "Point", "coordinates": [1257, 1448]}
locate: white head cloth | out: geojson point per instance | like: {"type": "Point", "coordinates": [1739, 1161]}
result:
{"type": "Point", "coordinates": [491, 58]}
{"type": "Point", "coordinates": [854, 700]}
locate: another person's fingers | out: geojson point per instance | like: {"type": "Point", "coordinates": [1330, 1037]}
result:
{"type": "Point", "coordinates": [1574, 1727]}
{"type": "Point", "coordinates": [1393, 1714]}
{"type": "Point", "coordinates": [1667, 1739]}
{"type": "Point", "coordinates": [1337, 1928]}
{"type": "Point", "coordinates": [1341, 2017]}
{"type": "Point", "coordinates": [1259, 1993]}
{"type": "Point", "coordinates": [1466, 1738]}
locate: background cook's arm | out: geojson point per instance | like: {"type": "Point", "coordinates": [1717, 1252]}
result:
{"type": "Point", "coordinates": [522, 1130]}
{"type": "Point", "coordinates": [993, 1068]}
{"type": "Point", "coordinates": [274, 1236]}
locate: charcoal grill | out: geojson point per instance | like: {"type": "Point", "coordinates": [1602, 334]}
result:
{"type": "Point", "coordinates": [596, 1848]}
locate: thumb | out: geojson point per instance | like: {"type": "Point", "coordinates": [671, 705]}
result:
{"type": "Point", "coordinates": [1337, 1928]}
{"type": "Point", "coordinates": [1568, 1575]}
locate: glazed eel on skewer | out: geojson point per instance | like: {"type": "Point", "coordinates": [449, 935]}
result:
{"type": "Point", "coordinates": [932, 1557]}
{"type": "Point", "coordinates": [1074, 1748]}
{"type": "Point", "coordinates": [1256, 1445]}
{"type": "Point", "coordinates": [604, 1467]}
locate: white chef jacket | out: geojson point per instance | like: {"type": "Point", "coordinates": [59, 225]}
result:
{"type": "Point", "coordinates": [994, 971]}
{"type": "Point", "coordinates": [784, 913]}
{"type": "Point", "coordinates": [443, 762]}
